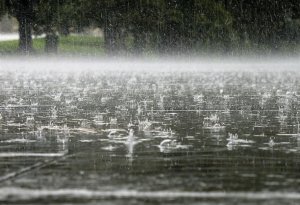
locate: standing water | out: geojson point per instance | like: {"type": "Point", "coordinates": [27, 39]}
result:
{"type": "Point", "coordinates": [90, 132]}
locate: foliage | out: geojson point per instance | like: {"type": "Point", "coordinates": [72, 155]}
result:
{"type": "Point", "coordinates": [168, 26]}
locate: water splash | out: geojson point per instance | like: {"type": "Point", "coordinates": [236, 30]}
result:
{"type": "Point", "coordinates": [19, 194]}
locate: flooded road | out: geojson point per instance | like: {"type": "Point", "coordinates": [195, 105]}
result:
{"type": "Point", "coordinates": [145, 137]}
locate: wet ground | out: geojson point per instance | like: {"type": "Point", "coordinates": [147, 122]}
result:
{"type": "Point", "coordinates": [91, 167]}
{"type": "Point", "coordinates": [60, 138]}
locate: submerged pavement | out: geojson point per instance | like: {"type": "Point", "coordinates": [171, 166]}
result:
{"type": "Point", "coordinates": [145, 137]}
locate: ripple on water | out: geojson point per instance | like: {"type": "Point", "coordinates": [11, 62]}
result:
{"type": "Point", "coordinates": [86, 141]}
{"type": "Point", "coordinates": [19, 194]}
{"type": "Point", "coordinates": [18, 141]}
{"type": "Point", "coordinates": [110, 148]}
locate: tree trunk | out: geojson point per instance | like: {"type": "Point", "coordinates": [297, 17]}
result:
{"type": "Point", "coordinates": [51, 43]}
{"type": "Point", "coordinates": [109, 39]}
{"type": "Point", "coordinates": [25, 34]}
{"type": "Point", "coordinates": [121, 46]}
{"type": "Point", "coordinates": [139, 43]}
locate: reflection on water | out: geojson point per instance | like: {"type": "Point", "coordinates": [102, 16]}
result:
{"type": "Point", "coordinates": [157, 138]}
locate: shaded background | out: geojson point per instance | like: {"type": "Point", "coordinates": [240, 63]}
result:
{"type": "Point", "coordinates": [129, 27]}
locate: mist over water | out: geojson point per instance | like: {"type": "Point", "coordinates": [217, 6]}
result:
{"type": "Point", "coordinates": [149, 131]}
{"type": "Point", "coordinates": [155, 64]}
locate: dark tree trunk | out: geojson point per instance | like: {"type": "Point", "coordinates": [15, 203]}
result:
{"type": "Point", "coordinates": [110, 40]}
{"type": "Point", "coordinates": [110, 28]}
{"type": "Point", "coordinates": [51, 43]}
{"type": "Point", "coordinates": [121, 46]}
{"type": "Point", "coordinates": [65, 29]}
{"type": "Point", "coordinates": [25, 34]}
{"type": "Point", "coordinates": [139, 43]}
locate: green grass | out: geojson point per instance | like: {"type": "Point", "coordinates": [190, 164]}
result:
{"type": "Point", "coordinates": [84, 45]}
{"type": "Point", "coordinates": [8, 47]}
{"type": "Point", "coordinates": [69, 45]}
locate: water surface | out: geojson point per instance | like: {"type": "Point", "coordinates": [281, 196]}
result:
{"type": "Point", "coordinates": [149, 137]}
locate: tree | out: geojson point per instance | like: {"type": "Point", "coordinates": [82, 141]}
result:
{"type": "Point", "coordinates": [3, 9]}
{"type": "Point", "coordinates": [46, 22]}
{"type": "Point", "coordinates": [54, 17]}
{"type": "Point", "coordinates": [143, 22]}
{"type": "Point", "coordinates": [23, 10]}
{"type": "Point", "coordinates": [104, 14]}
{"type": "Point", "coordinates": [192, 25]}
{"type": "Point", "coordinates": [212, 26]}
{"type": "Point", "coordinates": [161, 25]}
{"type": "Point", "coordinates": [262, 24]}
